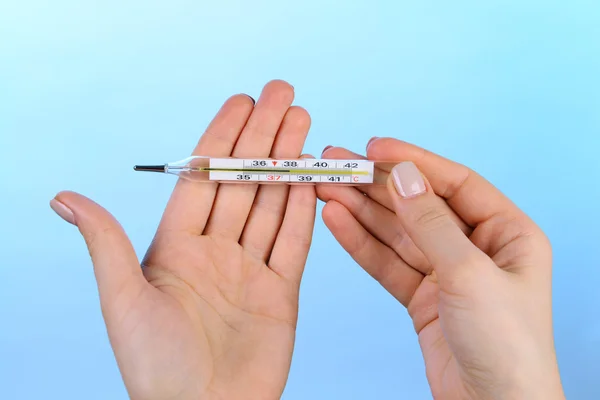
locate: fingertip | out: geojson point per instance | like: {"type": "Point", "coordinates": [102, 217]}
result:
{"type": "Point", "coordinates": [63, 211]}
{"type": "Point", "coordinates": [74, 201]}
{"type": "Point", "coordinates": [251, 99]}
{"type": "Point", "coordinates": [240, 100]}
{"type": "Point", "coordinates": [326, 149]}
{"type": "Point", "coordinates": [280, 88]}
{"type": "Point", "coordinates": [331, 212]}
{"type": "Point", "coordinates": [65, 195]}
{"type": "Point", "coordinates": [407, 181]}
{"type": "Point", "coordinates": [373, 139]}
{"type": "Point", "coordinates": [379, 147]}
{"type": "Point", "coordinates": [322, 193]}
{"type": "Point", "coordinates": [279, 84]}
{"type": "Point", "coordinates": [85, 211]}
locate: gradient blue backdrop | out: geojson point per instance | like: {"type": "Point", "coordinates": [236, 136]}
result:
{"type": "Point", "coordinates": [88, 88]}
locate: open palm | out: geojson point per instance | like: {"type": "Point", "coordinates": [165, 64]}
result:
{"type": "Point", "coordinates": [213, 311]}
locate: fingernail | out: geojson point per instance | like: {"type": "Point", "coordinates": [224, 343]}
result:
{"type": "Point", "coordinates": [63, 211]}
{"type": "Point", "coordinates": [408, 180]}
{"type": "Point", "coordinates": [326, 148]}
{"type": "Point", "coordinates": [251, 98]}
{"type": "Point", "coordinates": [372, 140]}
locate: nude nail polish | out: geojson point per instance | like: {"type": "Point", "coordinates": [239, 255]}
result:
{"type": "Point", "coordinates": [326, 148]}
{"type": "Point", "coordinates": [408, 180]}
{"type": "Point", "coordinates": [62, 211]}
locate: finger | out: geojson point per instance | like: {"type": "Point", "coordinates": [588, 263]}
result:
{"type": "Point", "coordinates": [233, 202]}
{"type": "Point", "coordinates": [378, 260]}
{"type": "Point", "coordinates": [118, 273]}
{"type": "Point", "coordinates": [380, 194]}
{"type": "Point", "coordinates": [377, 193]}
{"type": "Point", "coordinates": [472, 197]}
{"type": "Point", "coordinates": [379, 222]}
{"type": "Point", "coordinates": [290, 250]}
{"type": "Point", "coordinates": [270, 202]}
{"type": "Point", "coordinates": [448, 249]}
{"type": "Point", "coordinates": [190, 204]}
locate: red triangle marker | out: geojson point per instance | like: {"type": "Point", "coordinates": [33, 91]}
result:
{"type": "Point", "coordinates": [274, 162]}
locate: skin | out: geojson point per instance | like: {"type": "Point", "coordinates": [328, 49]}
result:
{"type": "Point", "coordinates": [472, 269]}
{"type": "Point", "coordinates": [212, 314]}
{"type": "Point", "coordinates": [211, 311]}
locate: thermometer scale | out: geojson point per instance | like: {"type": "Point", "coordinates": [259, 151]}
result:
{"type": "Point", "coordinates": [276, 171]}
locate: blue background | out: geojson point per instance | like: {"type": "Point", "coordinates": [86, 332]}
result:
{"type": "Point", "coordinates": [89, 88]}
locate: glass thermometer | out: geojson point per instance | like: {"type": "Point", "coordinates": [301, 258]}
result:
{"type": "Point", "coordinates": [276, 171]}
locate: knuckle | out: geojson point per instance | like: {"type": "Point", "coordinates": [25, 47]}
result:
{"type": "Point", "coordinates": [95, 239]}
{"type": "Point", "coordinates": [305, 198]}
{"type": "Point", "coordinates": [270, 205]}
{"type": "Point", "coordinates": [430, 218]}
{"type": "Point", "coordinates": [380, 273]}
{"type": "Point", "coordinates": [467, 272]}
{"type": "Point", "coordinates": [360, 205]}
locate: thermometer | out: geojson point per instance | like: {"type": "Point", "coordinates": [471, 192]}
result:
{"type": "Point", "coordinates": [276, 171]}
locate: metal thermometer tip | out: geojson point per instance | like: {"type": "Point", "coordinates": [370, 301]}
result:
{"type": "Point", "coordinates": [150, 168]}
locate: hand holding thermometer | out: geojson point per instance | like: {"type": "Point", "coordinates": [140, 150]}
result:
{"type": "Point", "coordinates": [276, 171]}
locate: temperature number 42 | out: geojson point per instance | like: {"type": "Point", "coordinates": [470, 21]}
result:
{"type": "Point", "coordinates": [351, 165]}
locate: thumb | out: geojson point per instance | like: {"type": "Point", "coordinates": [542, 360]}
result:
{"type": "Point", "coordinates": [446, 247]}
{"type": "Point", "coordinates": [116, 267]}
